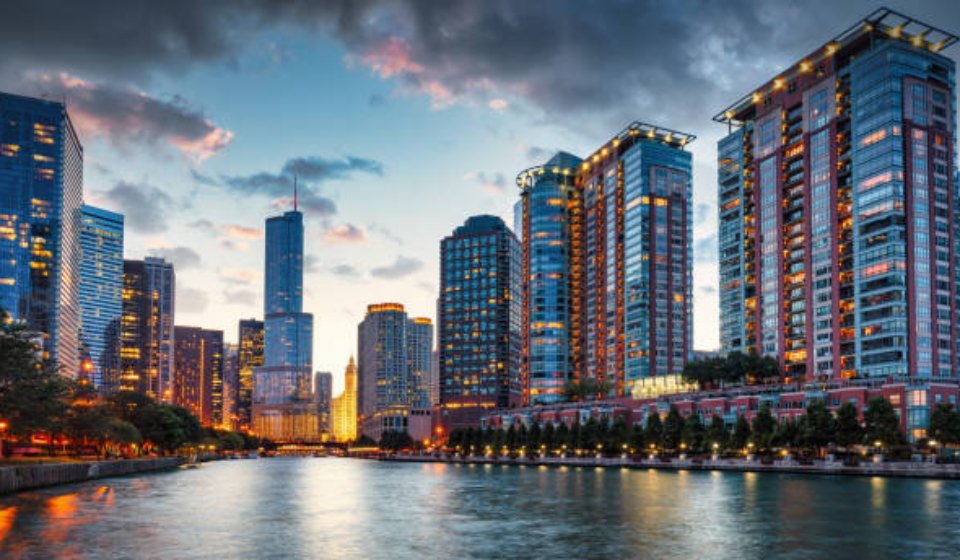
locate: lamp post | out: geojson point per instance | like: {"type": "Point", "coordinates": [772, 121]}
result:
{"type": "Point", "coordinates": [3, 430]}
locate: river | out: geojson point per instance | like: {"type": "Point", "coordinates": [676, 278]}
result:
{"type": "Point", "coordinates": [347, 508]}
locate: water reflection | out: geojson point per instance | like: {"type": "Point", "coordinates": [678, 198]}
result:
{"type": "Point", "coordinates": [337, 508]}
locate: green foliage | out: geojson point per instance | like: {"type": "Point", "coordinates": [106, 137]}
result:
{"type": "Point", "coordinates": [818, 428]}
{"type": "Point", "coordinates": [394, 440]}
{"type": "Point", "coordinates": [741, 433]}
{"type": "Point", "coordinates": [764, 428]}
{"type": "Point", "coordinates": [586, 389]}
{"type": "Point", "coordinates": [653, 431]}
{"type": "Point", "coordinates": [849, 432]}
{"type": "Point", "coordinates": [694, 434]}
{"type": "Point", "coordinates": [735, 367]}
{"type": "Point", "coordinates": [944, 424]}
{"type": "Point", "coordinates": [673, 429]}
{"type": "Point", "coordinates": [717, 433]}
{"type": "Point", "coordinates": [882, 424]}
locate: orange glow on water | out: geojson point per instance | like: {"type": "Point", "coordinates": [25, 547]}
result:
{"type": "Point", "coordinates": [7, 517]}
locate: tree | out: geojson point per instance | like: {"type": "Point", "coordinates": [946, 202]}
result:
{"type": "Point", "coordinates": [818, 428]}
{"type": "Point", "coordinates": [162, 427]}
{"type": "Point", "coordinates": [717, 432]}
{"type": "Point", "coordinates": [34, 397]}
{"type": "Point", "coordinates": [394, 440]}
{"type": "Point", "coordinates": [848, 429]}
{"type": "Point", "coordinates": [653, 431]}
{"type": "Point", "coordinates": [882, 424]}
{"type": "Point", "coordinates": [694, 433]}
{"type": "Point", "coordinates": [637, 440]}
{"type": "Point", "coordinates": [673, 428]}
{"type": "Point", "coordinates": [944, 424]}
{"type": "Point", "coordinates": [763, 428]}
{"type": "Point", "coordinates": [787, 433]}
{"type": "Point", "coordinates": [741, 433]}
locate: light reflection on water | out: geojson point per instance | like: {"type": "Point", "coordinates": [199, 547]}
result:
{"type": "Point", "coordinates": [339, 508]}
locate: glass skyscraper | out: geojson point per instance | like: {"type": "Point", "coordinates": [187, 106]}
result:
{"type": "Point", "coordinates": [101, 293]}
{"type": "Point", "coordinates": [394, 354]}
{"type": "Point", "coordinates": [479, 315]}
{"type": "Point", "coordinates": [249, 357]}
{"type": "Point", "coordinates": [41, 192]}
{"type": "Point", "coordinates": [146, 329]}
{"type": "Point", "coordinates": [608, 262]}
{"type": "Point", "coordinates": [282, 386]}
{"type": "Point", "coordinates": [198, 373]}
{"type": "Point", "coordinates": [838, 210]}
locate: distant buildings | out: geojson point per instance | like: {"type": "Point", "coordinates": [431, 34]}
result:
{"type": "Point", "coordinates": [838, 210]}
{"type": "Point", "coordinates": [344, 407]}
{"type": "Point", "coordinates": [41, 193]}
{"type": "Point", "coordinates": [394, 352]}
{"type": "Point", "coordinates": [146, 329]}
{"type": "Point", "coordinates": [283, 407]}
{"type": "Point", "coordinates": [100, 294]}
{"type": "Point", "coordinates": [231, 385]}
{"type": "Point", "coordinates": [198, 373]}
{"type": "Point", "coordinates": [250, 357]}
{"type": "Point", "coordinates": [323, 397]}
{"type": "Point", "coordinates": [608, 262]}
{"type": "Point", "coordinates": [479, 315]}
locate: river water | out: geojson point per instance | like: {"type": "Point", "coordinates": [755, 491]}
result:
{"type": "Point", "coordinates": [346, 508]}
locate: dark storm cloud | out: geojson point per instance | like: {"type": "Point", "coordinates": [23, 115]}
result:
{"type": "Point", "coordinates": [403, 266]}
{"type": "Point", "coordinates": [127, 115]}
{"type": "Point", "coordinates": [146, 208]}
{"type": "Point", "coordinates": [667, 61]}
{"type": "Point", "coordinates": [310, 172]}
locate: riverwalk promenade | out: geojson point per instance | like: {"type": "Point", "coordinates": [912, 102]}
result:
{"type": "Point", "coordinates": [901, 469]}
{"type": "Point", "coordinates": [17, 478]}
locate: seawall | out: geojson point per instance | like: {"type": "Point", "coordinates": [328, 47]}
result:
{"type": "Point", "coordinates": [886, 469]}
{"type": "Point", "coordinates": [18, 478]}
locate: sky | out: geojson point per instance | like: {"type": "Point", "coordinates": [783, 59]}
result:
{"type": "Point", "coordinates": [400, 119]}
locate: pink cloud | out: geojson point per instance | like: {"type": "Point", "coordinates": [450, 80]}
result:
{"type": "Point", "coordinates": [345, 233]}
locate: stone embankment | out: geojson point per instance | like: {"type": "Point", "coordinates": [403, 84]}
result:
{"type": "Point", "coordinates": [902, 469]}
{"type": "Point", "coordinates": [16, 478]}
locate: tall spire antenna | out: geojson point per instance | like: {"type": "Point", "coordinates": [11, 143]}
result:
{"type": "Point", "coordinates": [294, 193]}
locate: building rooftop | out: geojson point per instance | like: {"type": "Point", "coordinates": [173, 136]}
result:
{"type": "Point", "coordinates": [883, 22]}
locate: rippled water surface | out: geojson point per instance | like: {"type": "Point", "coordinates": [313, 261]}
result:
{"type": "Point", "coordinates": [343, 508]}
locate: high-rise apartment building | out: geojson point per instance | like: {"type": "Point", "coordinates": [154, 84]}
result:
{"type": "Point", "coordinates": [146, 329]}
{"type": "Point", "coordinates": [838, 209]}
{"type": "Point", "coordinates": [249, 357]}
{"type": "Point", "coordinates": [101, 293]}
{"type": "Point", "coordinates": [41, 192]}
{"type": "Point", "coordinates": [394, 351]}
{"type": "Point", "coordinates": [282, 387]}
{"type": "Point", "coordinates": [344, 407]}
{"type": "Point", "coordinates": [323, 397]}
{"type": "Point", "coordinates": [231, 385]}
{"type": "Point", "coordinates": [607, 264]}
{"type": "Point", "coordinates": [479, 315]}
{"type": "Point", "coordinates": [198, 373]}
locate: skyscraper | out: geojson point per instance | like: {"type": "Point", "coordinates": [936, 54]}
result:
{"type": "Point", "coordinates": [479, 315]}
{"type": "Point", "coordinates": [41, 192]}
{"type": "Point", "coordinates": [231, 385]}
{"type": "Point", "coordinates": [838, 209]}
{"type": "Point", "coordinates": [198, 373]}
{"type": "Point", "coordinates": [394, 352]}
{"type": "Point", "coordinates": [344, 406]}
{"type": "Point", "coordinates": [420, 359]}
{"type": "Point", "coordinates": [608, 260]}
{"type": "Point", "coordinates": [322, 396]}
{"type": "Point", "coordinates": [250, 357]}
{"type": "Point", "coordinates": [146, 329]}
{"type": "Point", "coordinates": [101, 293]}
{"type": "Point", "coordinates": [282, 400]}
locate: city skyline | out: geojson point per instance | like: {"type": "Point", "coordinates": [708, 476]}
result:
{"type": "Point", "coordinates": [365, 186]}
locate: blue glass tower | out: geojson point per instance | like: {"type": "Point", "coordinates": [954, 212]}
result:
{"type": "Point", "coordinates": [101, 289]}
{"type": "Point", "coordinates": [479, 315]}
{"type": "Point", "coordinates": [41, 191]}
{"type": "Point", "coordinates": [282, 395]}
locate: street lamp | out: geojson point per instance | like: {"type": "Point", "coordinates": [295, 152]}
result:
{"type": "Point", "coordinates": [3, 430]}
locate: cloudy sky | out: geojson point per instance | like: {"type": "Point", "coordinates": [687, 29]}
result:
{"type": "Point", "coordinates": [401, 118]}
